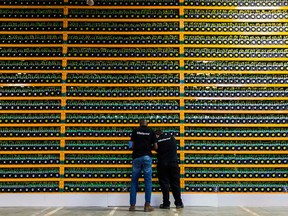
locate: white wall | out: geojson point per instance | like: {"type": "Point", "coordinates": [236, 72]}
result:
{"type": "Point", "coordinates": [114, 199]}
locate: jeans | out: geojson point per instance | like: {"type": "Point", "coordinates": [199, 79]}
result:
{"type": "Point", "coordinates": [142, 163]}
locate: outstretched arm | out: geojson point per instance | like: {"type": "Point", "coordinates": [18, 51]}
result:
{"type": "Point", "coordinates": [155, 146]}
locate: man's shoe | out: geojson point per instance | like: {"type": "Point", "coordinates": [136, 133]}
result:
{"type": "Point", "coordinates": [162, 206]}
{"type": "Point", "coordinates": [132, 208]}
{"type": "Point", "coordinates": [148, 208]}
{"type": "Point", "coordinates": [179, 206]}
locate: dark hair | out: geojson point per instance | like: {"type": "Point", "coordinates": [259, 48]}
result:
{"type": "Point", "coordinates": [158, 132]}
{"type": "Point", "coordinates": [143, 122]}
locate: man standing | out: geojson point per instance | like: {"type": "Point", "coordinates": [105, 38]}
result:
{"type": "Point", "coordinates": [168, 169]}
{"type": "Point", "coordinates": [143, 139]}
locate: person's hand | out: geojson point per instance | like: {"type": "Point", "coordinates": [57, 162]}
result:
{"type": "Point", "coordinates": [90, 2]}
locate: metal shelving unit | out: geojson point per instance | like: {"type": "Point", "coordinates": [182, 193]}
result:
{"type": "Point", "coordinates": [181, 70]}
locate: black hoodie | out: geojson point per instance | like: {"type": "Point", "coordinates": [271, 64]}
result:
{"type": "Point", "coordinates": [167, 149]}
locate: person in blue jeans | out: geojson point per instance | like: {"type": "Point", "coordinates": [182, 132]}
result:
{"type": "Point", "coordinates": [143, 141]}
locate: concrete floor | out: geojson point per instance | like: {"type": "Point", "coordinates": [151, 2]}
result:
{"type": "Point", "coordinates": [123, 211]}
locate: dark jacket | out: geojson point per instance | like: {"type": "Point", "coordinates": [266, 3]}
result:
{"type": "Point", "coordinates": [167, 149]}
{"type": "Point", "coordinates": [144, 139]}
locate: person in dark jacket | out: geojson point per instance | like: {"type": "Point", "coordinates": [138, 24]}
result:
{"type": "Point", "coordinates": [143, 141]}
{"type": "Point", "coordinates": [168, 169]}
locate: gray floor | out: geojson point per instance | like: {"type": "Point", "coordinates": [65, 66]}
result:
{"type": "Point", "coordinates": [123, 211]}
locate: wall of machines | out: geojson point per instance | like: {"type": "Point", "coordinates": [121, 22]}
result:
{"type": "Point", "coordinates": [75, 80]}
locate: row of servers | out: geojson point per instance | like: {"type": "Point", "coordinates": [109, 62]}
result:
{"type": "Point", "coordinates": [76, 79]}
